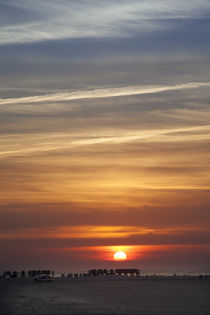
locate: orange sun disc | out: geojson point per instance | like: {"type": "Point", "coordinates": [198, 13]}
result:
{"type": "Point", "coordinates": [120, 256]}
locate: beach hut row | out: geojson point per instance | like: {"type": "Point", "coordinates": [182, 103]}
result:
{"type": "Point", "coordinates": [126, 272]}
{"type": "Point", "coordinates": [23, 273]}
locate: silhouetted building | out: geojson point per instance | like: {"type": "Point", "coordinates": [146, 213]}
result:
{"type": "Point", "coordinates": [14, 274]}
{"type": "Point", "coordinates": [93, 272]}
{"type": "Point", "coordinates": [98, 272]}
{"type": "Point", "coordinates": [45, 272]}
{"type": "Point", "coordinates": [132, 272]}
{"type": "Point", "coordinates": [70, 275]}
{"type": "Point", "coordinates": [22, 274]}
{"type": "Point", "coordinates": [34, 273]}
{"type": "Point", "coordinates": [7, 274]}
{"type": "Point", "coordinates": [37, 273]}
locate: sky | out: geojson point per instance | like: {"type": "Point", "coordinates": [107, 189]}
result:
{"type": "Point", "coordinates": [105, 134]}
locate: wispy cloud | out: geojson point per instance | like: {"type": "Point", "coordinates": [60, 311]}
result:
{"type": "Point", "coordinates": [80, 19]}
{"type": "Point", "coordinates": [45, 143]}
{"type": "Point", "coordinates": [84, 232]}
{"type": "Point", "coordinates": [102, 93]}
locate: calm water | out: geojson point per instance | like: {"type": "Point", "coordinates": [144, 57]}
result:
{"type": "Point", "coordinates": [100, 295]}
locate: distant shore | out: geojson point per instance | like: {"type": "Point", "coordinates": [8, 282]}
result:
{"type": "Point", "coordinates": [131, 272]}
{"type": "Point", "coordinates": [79, 276]}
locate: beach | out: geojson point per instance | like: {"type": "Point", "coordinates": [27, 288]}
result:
{"type": "Point", "coordinates": [106, 295]}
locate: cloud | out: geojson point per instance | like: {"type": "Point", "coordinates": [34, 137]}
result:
{"type": "Point", "coordinates": [56, 215]}
{"type": "Point", "coordinates": [44, 143]}
{"type": "Point", "coordinates": [97, 232]}
{"type": "Point", "coordinates": [102, 93]}
{"type": "Point", "coordinates": [80, 19]}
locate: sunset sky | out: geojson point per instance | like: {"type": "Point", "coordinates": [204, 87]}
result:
{"type": "Point", "coordinates": [105, 134]}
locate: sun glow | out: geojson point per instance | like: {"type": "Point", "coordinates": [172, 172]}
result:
{"type": "Point", "coordinates": [120, 255]}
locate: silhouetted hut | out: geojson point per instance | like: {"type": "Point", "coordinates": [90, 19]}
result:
{"type": "Point", "coordinates": [23, 274]}
{"type": "Point", "coordinates": [7, 274]}
{"type": "Point", "coordinates": [132, 272]}
{"type": "Point", "coordinates": [14, 274]}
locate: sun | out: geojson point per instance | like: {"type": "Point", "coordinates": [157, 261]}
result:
{"type": "Point", "coordinates": [120, 255]}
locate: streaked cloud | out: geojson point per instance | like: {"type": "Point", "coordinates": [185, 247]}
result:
{"type": "Point", "coordinates": [102, 93]}
{"type": "Point", "coordinates": [94, 232]}
{"type": "Point", "coordinates": [41, 144]}
{"type": "Point", "coordinates": [50, 20]}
